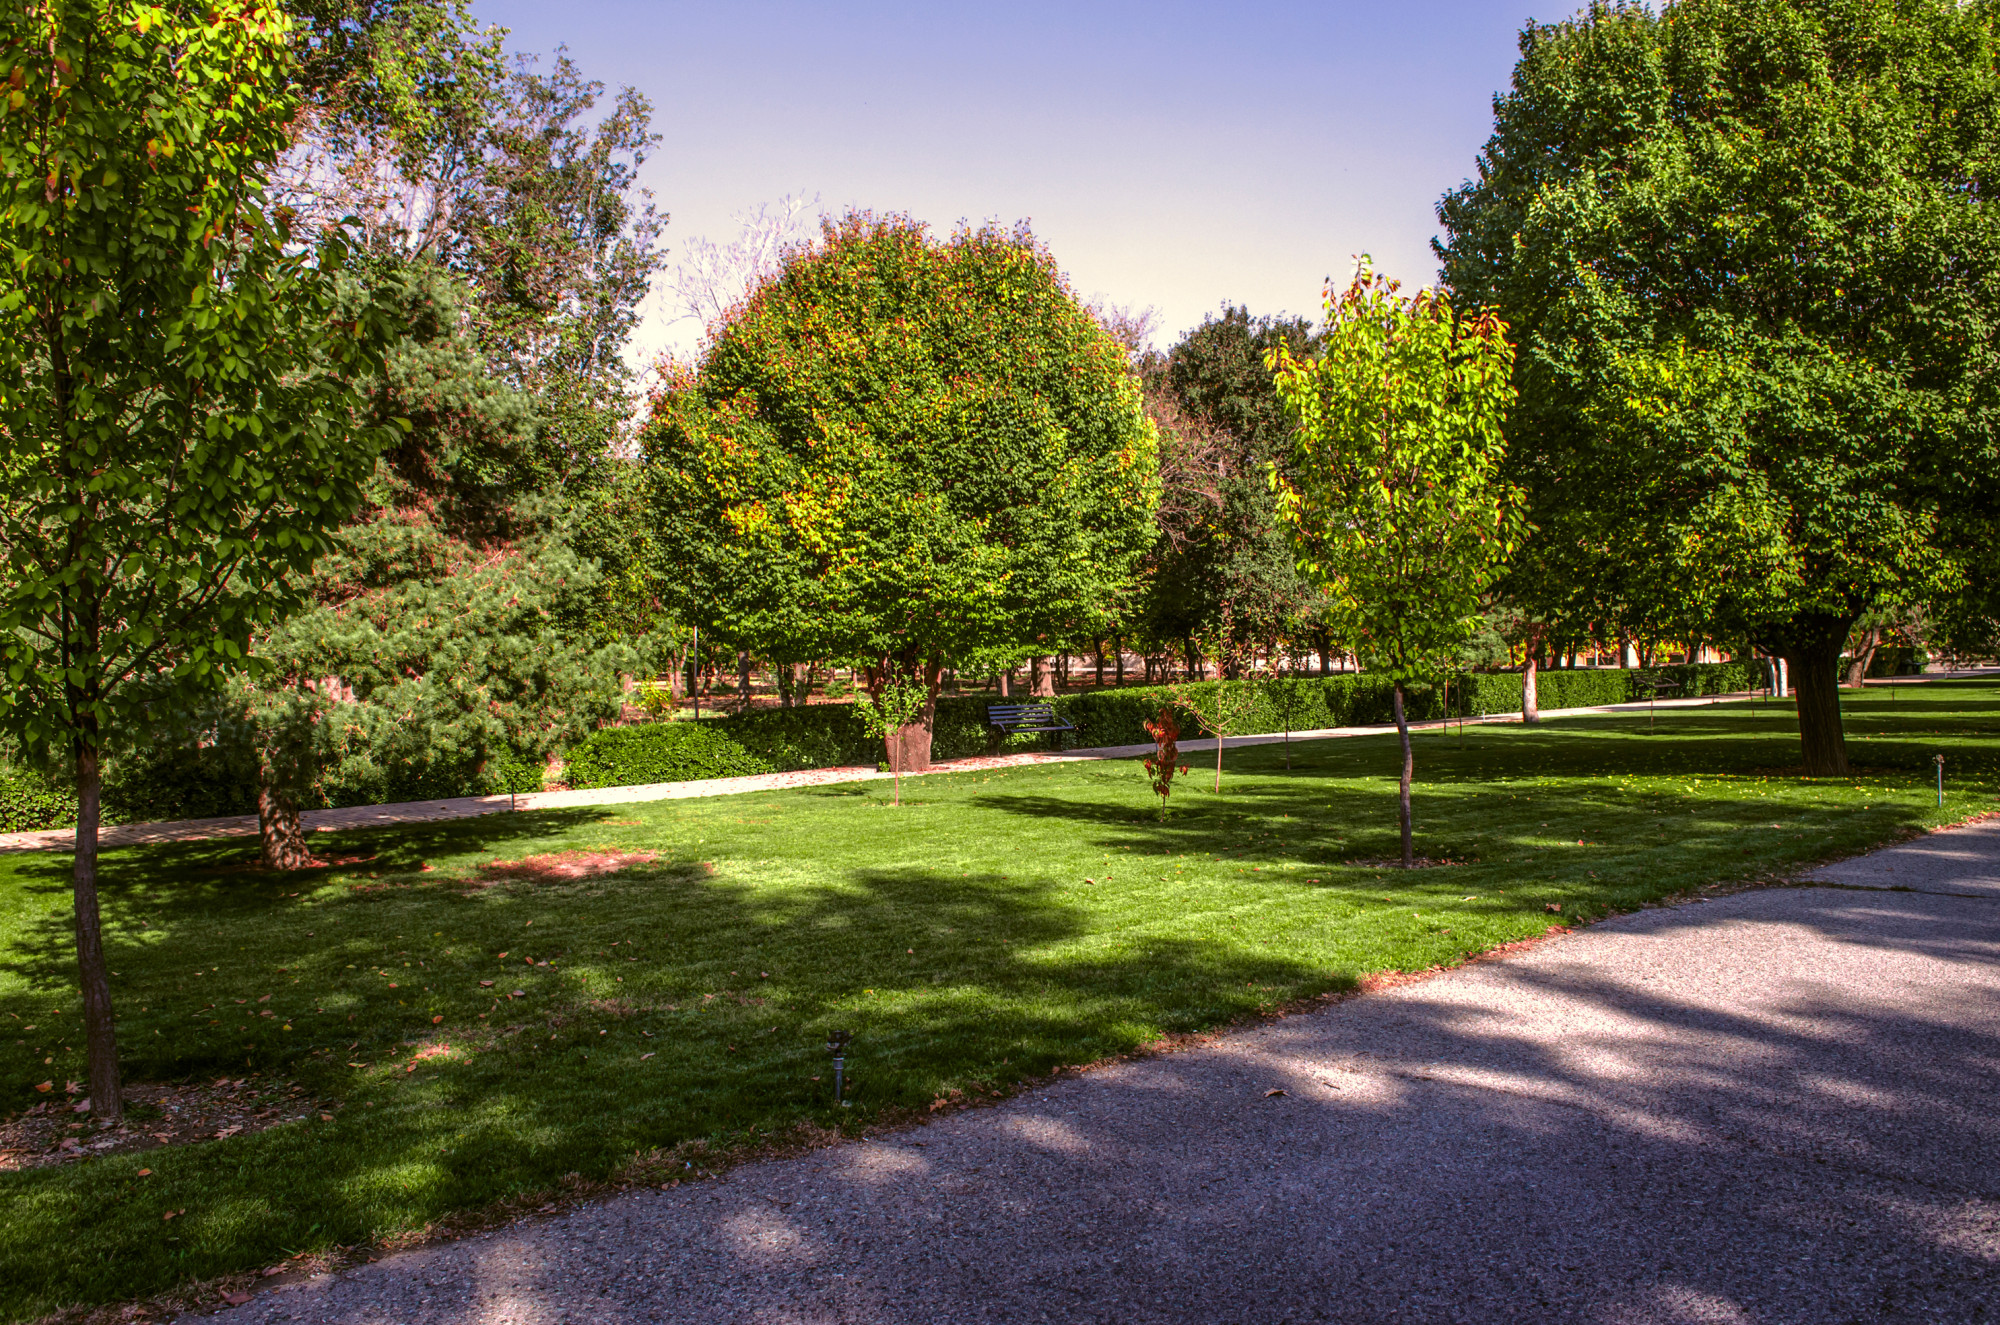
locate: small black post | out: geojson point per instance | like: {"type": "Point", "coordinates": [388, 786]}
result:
{"type": "Point", "coordinates": [836, 1044]}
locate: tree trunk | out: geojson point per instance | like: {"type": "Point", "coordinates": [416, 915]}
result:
{"type": "Point", "coordinates": [1118, 647]}
{"type": "Point", "coordinates": [1857, 670]}
{"type": "Point", "coordinates": [1007, 684]}
{"type": "Point", "coordinates": [909, 750]}
{"type": "Point", "coordinates": [1814, 667]}
{"type": "Point", "coordinates": [1100, 664]}
{"type": "Point", "coordinates": [1409, 768]}
{"type": "Point", "coordinates": [100, 1027]}
{"type": "Point", "coordinates": [1531, 702]}
{"type": "Point", "coordinates": [1040, 684]}
{"type": "Point", "coordinates": [743, 677]}
{"type": "Point", "coordinates": [278, 828]}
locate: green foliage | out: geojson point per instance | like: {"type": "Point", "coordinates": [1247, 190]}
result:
{"type": "Point", "coordinates": [28, 802]}
{"type": "Point", "coordinates": [1393, 498]}
{"type": "Point", "coordinates": [659, 752]}
{"type": "Point", "coordinates": [448, 657]}
{"type": "Point", "coordinates": [903, 448]}
{"type": "Point", "coordinates": [177, 384]}
{"type": "Point", "coordinates": [1220, 545]}
{"type": "Point", "coordinates": [1754, 291]}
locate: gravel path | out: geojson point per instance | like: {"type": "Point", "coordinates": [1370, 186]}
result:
{"type": "Point", "coordinates": [1772, 1107]}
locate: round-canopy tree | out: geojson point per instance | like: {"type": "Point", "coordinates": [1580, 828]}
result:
{"type": "Point", "coordinates": [1749, 251]}
{"type": "Point", "coordinates": [902, 450]}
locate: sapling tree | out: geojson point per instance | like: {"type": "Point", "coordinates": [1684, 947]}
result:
{"type": "Point", "coordinates": [1393, 498]}
{"type": "Point", "coordinates": [1165, 761]}
{"type": "Point", "coordinates": [179, 425]}
{"type": "Point", "coordinates": [1221, 708]}
{"type": "Point", "coordinates": [888, 711]}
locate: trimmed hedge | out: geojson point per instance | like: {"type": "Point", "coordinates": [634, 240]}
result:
{"type": "Point", "coordinates": [659, 752]}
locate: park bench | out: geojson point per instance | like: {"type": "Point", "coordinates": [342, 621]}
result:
{"type": "Point", "coordinates": [1013, 719]}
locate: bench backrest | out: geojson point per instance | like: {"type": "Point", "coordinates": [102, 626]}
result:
{"type": "Point", "coordinates": [1017, 712]}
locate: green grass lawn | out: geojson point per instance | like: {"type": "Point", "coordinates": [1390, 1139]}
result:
{"type": "Point", "coordinates": [996, 926]}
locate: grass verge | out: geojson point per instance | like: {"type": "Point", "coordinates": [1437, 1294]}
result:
{"type": "Point", "coordinates": [997, 926]}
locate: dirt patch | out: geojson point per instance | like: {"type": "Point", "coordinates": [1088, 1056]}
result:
{"type": "Point", "coordinates": [562, 866]}
{"type": "Point", "coordinates": [60, 1130]}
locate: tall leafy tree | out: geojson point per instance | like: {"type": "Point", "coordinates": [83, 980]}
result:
{"type": "Point", "coordinates": [1221, 550]}
{"type": "Point", "coordinates": [179, 424]}
{"type": "Point", "coordinates": [1394, 498]}
{"type": "Point", "coordinates": [904, 451]}
{"type": "Point", "coordinates": [1749, 251]}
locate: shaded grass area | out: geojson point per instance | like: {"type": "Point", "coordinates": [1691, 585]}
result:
{"type": "Point", "coordinates": [998, 925]}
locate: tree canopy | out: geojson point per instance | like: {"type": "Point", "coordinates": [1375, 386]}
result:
{"type": "Point", "coordinates": [904, 450]}
{"type": "Point", "coordinates": [1749, 253]}
{"type": "Point", "coordinates": [1221, 550]}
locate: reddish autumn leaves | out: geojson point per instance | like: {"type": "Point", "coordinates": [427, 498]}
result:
{"type": "Point", "coordinates": [1164, 762]}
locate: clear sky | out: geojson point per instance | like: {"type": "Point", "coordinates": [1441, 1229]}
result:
{"type": "Point", "coordinates": [1171, 154]}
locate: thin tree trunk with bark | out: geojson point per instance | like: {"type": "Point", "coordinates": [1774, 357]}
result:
{"type": "Point", "coordinates": [1040, 684]}
{"type": "Point", "coordinates": [107, 1102]}
{"type": "Point", "coordinates": [1864, 657]}
{"type": "Point", "coordinates": [1531, 702]}
{"type": "Point", "coordinates": [1409, 769]}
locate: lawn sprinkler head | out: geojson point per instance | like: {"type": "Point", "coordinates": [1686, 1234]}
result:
{"type": "Point", "coordinates": [836, 1044]}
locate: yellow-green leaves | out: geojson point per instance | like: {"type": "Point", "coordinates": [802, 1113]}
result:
{"type": "Point", "coordinates": [1393, 499]}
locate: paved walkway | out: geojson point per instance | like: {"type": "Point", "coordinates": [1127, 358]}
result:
{"type": "Point", "coordinates": [1773, 1107]}
{"type": "Point", "coordinates": [466, 807]}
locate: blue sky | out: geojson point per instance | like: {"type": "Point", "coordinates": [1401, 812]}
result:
{"type": "Point", "coordinates": [1176, 155]}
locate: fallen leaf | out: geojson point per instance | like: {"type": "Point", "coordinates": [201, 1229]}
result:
{"type": "Point", "coordinates": [326, 1117]}
{"type": "Point", "coordinates": [231, 1130]}
{"type": "Point", "coordinates": [45, 1086]}
{"type": "Point", "coordinates": [275, 1269]}
{"type": "Point", "coordinates": [236, 1299]}
{"type": "Point", "coordinates": [485, 984]}
{"type": "Point", "coordinates": [171, 1214]}
{"type": "Point", "coordinates": [503, 954]}
{"type": "Point", "coordinates": [144, 1173]}
{"type": "Point", "coordinates": [1556, 907]}
{"type": "Point", "coordinates": [436, 1020]}
{"type": "Point", "coordinates": [644, 1057]}
{"type": "Point", "coordinates": [518, 993]}
{"type": "Point", "coordinates": [1270, 1094]}
{"type": "Point", "coordinates": [425, 867]}
{"type": "Point", "coordinates": [265, 999]}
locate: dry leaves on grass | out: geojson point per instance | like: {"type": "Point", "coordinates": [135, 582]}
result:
{"type": "Point", "coordinates": [563, 866]}
{"type": "Point", "coordinates": [54, 1132]}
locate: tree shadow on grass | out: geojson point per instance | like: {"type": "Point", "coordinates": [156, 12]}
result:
{"type": "Point", "coordinates": [714, 1032]}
